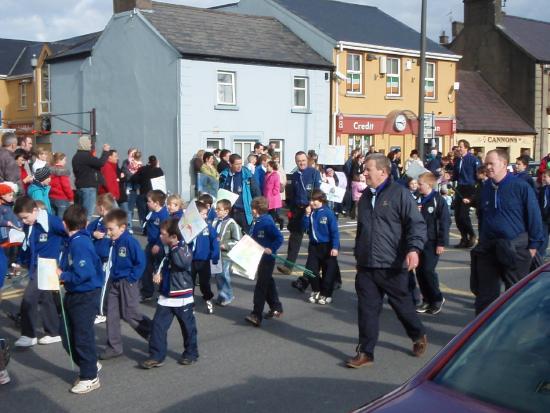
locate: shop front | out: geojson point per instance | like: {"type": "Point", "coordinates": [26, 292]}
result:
{"type": "Point", "coordinates": [515, 145]}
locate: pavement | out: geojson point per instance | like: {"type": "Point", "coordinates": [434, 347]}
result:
{"type": "Point", "coordinates": [292, 364]}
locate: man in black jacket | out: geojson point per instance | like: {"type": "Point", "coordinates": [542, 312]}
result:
{"type": "Point", "coordinates": [390, 235]}
{"type": "Point", "coordinates": [87, 172]}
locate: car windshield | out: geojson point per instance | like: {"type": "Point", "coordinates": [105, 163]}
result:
{"type": "Point", "coordinates": [507, 361]}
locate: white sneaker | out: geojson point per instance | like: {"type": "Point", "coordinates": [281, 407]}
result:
{"type": "Point", "coordinates": [49, 339]}
{"type": "Point", "coordinates": [4, 377]}
{"type": "Point", "coordinates": [322, 300]}
{"type": "Point", "coordinates": [85, 386]}
{"type": "Point", "coordinates": [209, 307]}
{"type": "Point", "coordinates": [100, 319]}
{"type": "Point", "coordinates": [99, 367]}
{"type": "Point", "coordinates": [313, 297]}
{"type": "Point", "coordinates": [25, 341]}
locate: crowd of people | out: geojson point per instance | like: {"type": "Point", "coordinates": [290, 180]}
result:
{"type": "Point", "coordinates": [403, 221]}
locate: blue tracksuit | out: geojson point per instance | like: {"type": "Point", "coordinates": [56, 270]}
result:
{"type": "Point", "coordinates": [127, 259]}
{"type": "Point", "coordinates": [303, 183]}
{"type": "Point", "coordinates": [152, 226]}
{"type": "Point", "coordinates": [211, 215]}
{"type": "Point", "coordinates": [259, 176]}
{"type": "Point", "coordinates": [101, 245]}
{"type": "Point", "coordinates": [322, 227]}
{"type": "Point", "coordinates": [524, 176]}
{"type": "Point", "coordinates": [206, 246]}
{"type": "Point", "coordinates": [465, 169]}
{"type": "Point", "coordinates": [176, 215]}
{"type": "Point", "coordinates": [265, 232]}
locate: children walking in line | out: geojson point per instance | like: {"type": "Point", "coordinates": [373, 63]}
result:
{"type": "Point", "coordinates": [265, 232]}
{"type": "Point", "coordinates": [206, 249]}
{"type": "Point", "coordinates": [82, 275]}
{"type": "Point", "coordinates": [125, 269]}
{"type": "Point", "coordinates": [175, 299]}
{"type": "Point", "coordinates": [229, 233]}
{"type": "Point", "coordinates": [44, 235]}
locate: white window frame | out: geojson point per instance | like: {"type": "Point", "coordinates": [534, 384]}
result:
{"type": "Point", "coordinates": [280, 149]}
{"type": "Point", "coordinates": [46, 90]}
{"type": "Point", "coordinates": [242, 143]}
{"type": "Point", "coordinates": [354, 71]}
{"type": "Point", "coordinates": [232, 84]}
{"type": "Point", "coordinates": [23, 95]}
{"type": "Point", "coordinates": [430, 79]}
{"type": "Point", "coordinates": [305, 90]}
{"type": "Point", "coordinates": [219, 141]}
{"type": "Point", "coordinates": [390, 75]}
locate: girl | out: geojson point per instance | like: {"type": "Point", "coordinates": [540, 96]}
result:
{"type": "Point", "coordinates": [358, 185]}
{"type": "Point", "coordinates": [61, 193]}
{"type": "Point", "coordinates": [41, 159]}
{"type": "Point", "coordinates": [272, 191]}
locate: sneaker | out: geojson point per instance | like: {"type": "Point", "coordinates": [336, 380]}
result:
{"type": "Point", "coordinates": [225, 303]}
{"type": "Point", "coordinates": [313, 297]}
{"type": "Point", "coordinates": [49, 340]}
{"type": "Point", "coordinates": [273, 314]}
{"type": "Point", "coordinates": [253, 319]}
{"type": "Point", "coordinates": [100, 319]}
{"type": "Point", "coordinates": [209, 307]}
{"type": "Point", "coordinates": [25, 341]}
{"type": "Point", "coordinates": [435, 308]}
{"type": "Point", "coordinates": [360, 360]}
{"type": "Point", "coordinates": [4, 377]}
{"type": "Point", "coordinates": [284, 270]}
{"type": "Point", "coordinates": [150, 363]}
{"type": "Point", "coordinates": [186, 361]}
{"type": "Point", "coordinates": [99, 367]}
{"type": "Point", "coordinates": [419, 346]}
{"type": "Point", "coordinates": [85, 386]}
{"type": "Point", "coordinates": [324, 300]}
{"type": "Point", "coordinates": [422, 308]}
{"type": "Point", "coordinates": [109, 354]}
{"type": "Point", "coordinates": [298, 285]}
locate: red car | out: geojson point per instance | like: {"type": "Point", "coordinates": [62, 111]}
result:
{"type": "Point", "coordinates": [499, 363]}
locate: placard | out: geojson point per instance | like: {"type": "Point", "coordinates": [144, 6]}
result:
{"type": "Point", "coordinates": [159, 183]}
{"type": "Point", "coordinates": [247, 254]}
{"type": "Point", "coordinates": [16, 236]}
{"type": "Point", "coordinates": [334, 193]}
{"type": "Point", "coordinates": [225, 194]}
{"type": "Point", "coordinates": [47, 274]}
{"type": "Point", "coordinates": [342, 179]}
{"type": "Point", "coordinates": [332, 155]}
{"type": "Point", "coordinates": [191, 223]}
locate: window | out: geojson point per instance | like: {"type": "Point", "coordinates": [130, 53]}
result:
{"type": "Point", "coordinates": [244, 148]}
{"type": "Point", "coordinates": [22, 95]}
{"type": "Point", "coordinates": [393, 76]}
{"type": "Point", "coordinates": [429, 85]}
{"type": "Point", "coordinates": [45, 102]}
{"type": "Point", "coordinates": [300, 92]}
{"type": "Point", "coordinates": [359, 142]}
{"type": "Point", "coordinates": [226, 88]}
{"type": "Point", "coordinates": [279, 149]}
{"type": "Point", "coordinates": [214, 143]}
{"type": "Point", "coordinates": [354, 81]}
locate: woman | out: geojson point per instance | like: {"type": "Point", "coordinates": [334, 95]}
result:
{"type": "Point", "coordinates": [198, 161]}
{"type": "Point", "coordinates": [208, 166]}
{"type": "Point", "coordinates": [61, 193]}
{"type": "Point", "coordinates": [272, 191]}
{"type": "Point", "coordinates": [143, 178]}
{"type": "Point", "coordinates": [282, 176]}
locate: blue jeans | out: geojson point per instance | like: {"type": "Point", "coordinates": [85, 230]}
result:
{"type": "Point", "coordinates": [87, 198]}
{"type": "Point", "coordinates": [161, 323]}
{"type": "Point", "coordinates": [223, 281]}
{"type": "Point", "coordinates": [132, 200]}
{"type": "Point", "coordinates": [59, 206]}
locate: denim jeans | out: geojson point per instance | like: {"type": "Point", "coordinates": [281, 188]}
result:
{"type": "Point", "coordinates": [59, 206]}
{"type": "Point", "coordinates": [87, 198]}
{"type": "Point", "coordinates": [132, 200]}
{"type": "Point", "coordinates": [223, 281]}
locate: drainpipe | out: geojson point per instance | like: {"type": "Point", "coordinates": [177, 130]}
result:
{"type": "Point", "coordinates": [544, 70]}
{"type": "Point", "coordinates": [336, 94]}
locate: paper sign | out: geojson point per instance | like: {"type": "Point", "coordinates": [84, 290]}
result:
{"type": "Point", "coordinates": [159, 183]}
{"type": "Point", "coordinates": [247, 254]}
{"type": "Point", "coordinates": [332, 155]}
{"type": "Point", "coordinates": [342, 179]}
{"type": "Point", "coordinates": [334, 193]}
{"type": "Point", "coordinates": [415, 170]}
{"type": "Point", "coordinates": [47, 274]}
{"type": "Point", "coordinates": [16, 236]}
{"type": "Point", "coordinates": [216, 268]}
{"type": "Point", "coordinates": [225, 194]}
{"type": "Point", "coordinates": [191, 223]}
{"type": "Point", "coordinates": [207, 184]}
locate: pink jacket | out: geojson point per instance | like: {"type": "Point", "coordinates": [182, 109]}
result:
{"type": "Point", "coordinates": [272, 190]}
{"type": "Point", "coordinates": [357, 190]}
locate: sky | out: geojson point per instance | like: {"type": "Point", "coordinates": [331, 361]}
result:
{"type": "Point", "coordinates": [59, 19]}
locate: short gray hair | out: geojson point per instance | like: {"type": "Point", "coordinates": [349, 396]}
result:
{"type": "Point", "coordinates": [382, 161]}
{"type": "Point", "coordinates": [9, 138]}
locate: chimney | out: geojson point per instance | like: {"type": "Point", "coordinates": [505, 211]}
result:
{"type": "Point", "coordinates": [482, 12]}
{"type": "Point", "coordinates": [457, 28]}
{"type": "Point", "coordinates": [120, 6]}
{"type": "Point", "coordinates": [443, 39]}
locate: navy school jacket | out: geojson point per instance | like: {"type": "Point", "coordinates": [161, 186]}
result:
{"type": "Point", "coordinates": [206, 246]}
{"type": "Point", "coordinates": [152, 226]}
{"type": "Point", "coordinates": [265, 232]}
{"type": "Point", "coordinates": [82, 268]}
{"type": "Point", "coordinates": [436, 214]}
{"type": "Point", "coordinates": [102, 245]}
{"type": "Point", "coordinates": [211, 215]}
{"type": "Point", "coordinates": [465, 169]}
{"type": "Point", "coordinates": [176, 273]}
{"type": "Point", "coordinates": [322, 227]}
{"type": "Point", "coordinates": [176, 215]}
{"type": "Point", "coordinates": [127, 259]}
{"type": "Point", "coordinates": [303, 183]}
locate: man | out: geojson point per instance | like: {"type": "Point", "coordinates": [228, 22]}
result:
{"type": "Point", "coordinates": [87, 172]}
{"type": "Point", "coordinates": [272, 149]}
{"type": "Point", "coordinates": [304, 180]}
{"type": "Point", "coordinates": [390, 235]}
{"type": "Point", "coordinates": [224, 160]}
{"type": "Point", "coordinates": [511, 231]}
{"type": "Point", "coordinates": [464, 173]}
{"type": "Point", "coordinates": [258, 149]}
{"type": "Point", "coordinates": [240, 181]}
{"type": "Point", "coordinates": [9, 171]}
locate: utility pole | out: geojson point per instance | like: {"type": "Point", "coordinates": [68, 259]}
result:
{"type": "Point", "coordinates": [420, 137]}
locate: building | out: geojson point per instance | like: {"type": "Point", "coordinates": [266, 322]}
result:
{"type": "Point", "coordinates": [486, 121]}
{"type": "Point", "coordinates": [513, 56]}
{"type": "Point", "coordinates": [172, 80]}
{"type": "Point", "coordinates": [376, 85]}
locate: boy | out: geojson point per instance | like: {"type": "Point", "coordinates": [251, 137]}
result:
{"type": "Point", "coordinates": [154, 252]}
{"type": "Point", "coordinates": [206, 248]}
{"type": "Point", "coordinates": [324, 242]}
{"type": "Point", "coordinates": [174, 205]}
{"type": "Point", "coordinates": [44, 235]}
{"type": "Point", "coordinates": [260, 171]}
{"type": "Point", "coordinates": [175, 299]}
{"type": "Point", "coordinates": [265, 232]}
{"type": "Point", "coordinates": [82, 275]}
{"type": "Point", "coordinates": [544, 204]}
{"type": "Point", "coordinates": [229, 233]}
{"type": "Point", "coordinates": [522, 164]}
{"type": "Point", "coordinates": [435, 212]}
{"type": "Point", "coordinates": [39, 190]}
{"type": "Point", "coordinates": [209, 202]}
{"type": "Point", "coordinates": [125, 268]}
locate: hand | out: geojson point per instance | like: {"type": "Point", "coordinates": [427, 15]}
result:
{"type": "Point", "coordinates": [308, 211]}
{"type": "Point", "coordinates": [439, 250]}
{"type": "Point", "coordinates": [58, 272]}
{"type": "Point", "coordinates": [98, 235]}
{"type": "Point", "coordinates": [334, 252]}
{"type": "Point", "coordinates": [106, 147]}
{"type": "Point", "coordinates": [466, 201]}
{"type": "Point", "coordinates": [157, 278]}
{"type": "Point", "coordinates": [532, 251]}
{"type": "Point", "coordinates": [9, 224]}
{"type": "Point", "coordinates": [155, 250]}
{"type": "Point", "coordinates": [268, 251]}
{"type": "Point", "coordinates": [412, 260]}
{"type": "Point", "coordinates": [28, 179]}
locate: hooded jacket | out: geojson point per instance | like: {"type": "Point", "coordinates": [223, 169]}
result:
{"type": "Point", "coordinates": [40, 192]}
{"type": "Point", "coordinates": [60, 186]}
{"type": "Point", "coordinates": [110, 182]}
{"type": "Point", "coordinates": [87, 168]}
{"type": "Point", "coordinates": [248, 190]}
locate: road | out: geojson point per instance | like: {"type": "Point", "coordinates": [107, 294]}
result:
{"type": "Point", "coordinates": [293, 364]}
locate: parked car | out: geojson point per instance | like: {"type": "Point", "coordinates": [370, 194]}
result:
{"type": "Point", "coordinates": [499, 363]}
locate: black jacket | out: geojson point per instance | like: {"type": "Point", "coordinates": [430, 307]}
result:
{"type": "Point", "coordinates": [87, 169]}
{"type": "Point", "coordinates": [143, 177]}
{"type": "Point", "coordinates": [435, 212]}
{"type": "Point", "coordinates": [387, 233]}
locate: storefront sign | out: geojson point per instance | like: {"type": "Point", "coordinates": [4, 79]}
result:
{"type": "Point", "coordinates": [355, 125]}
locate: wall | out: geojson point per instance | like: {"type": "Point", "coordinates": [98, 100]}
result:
{"type": "Point", "coordinates": [10, 101]}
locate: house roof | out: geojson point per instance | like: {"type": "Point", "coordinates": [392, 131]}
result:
{"type": "Point", "coordinates": [213, 34]}
{"type": "Point", "coordinates": [532, 36]}
{"type": "Point", "coordinates": [358, 23]}
{"type": "Point", "coordinates": [23, 64]}
{"type": "Point", "coordinates": [73, 47]}
{"type": "Point", "coordinates": [10, 51]}
{"type": "Point", "coordinates": [479, 108]}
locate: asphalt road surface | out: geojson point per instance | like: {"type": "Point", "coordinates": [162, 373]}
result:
{"type": "Point", "coordinates": [294, 364]}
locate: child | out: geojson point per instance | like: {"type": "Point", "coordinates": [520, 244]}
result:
{"type": "Point", "coordinates": [272, 191]}
{"type": "Point", "coordinates": [435, 212]}
{"type": "Point", "coordinates": [44, 235]}
{"type": "Point", "coordinates": [82, 276]}
{"type": "Point", "coordinates": [175, 299]}
{"type": "Point", "coordinates": [544, 204]}
{"type": "Point", "coordinates": [324, 242]}
{"type": "Point", "coordinates": [209, 202]}
{"type": "Point", "coordinates": [206, 248]}
{"type": "Point", "coordinates": [412, 185]}
{"type": "Point", "coordinates": [251, 165]}
{"type": "Point", "coordinates": [24, 170]}
{"type": "Point", "coordinates": [229, 233]}
{"type": "Point", "coordinates": [8, 220]}
{"type": "Point", "coordinates": [39, 190]}
{"type": "Point", "coordinates": [61, 192]}
{"type": "Point", "coordinates": [522, 164]}
{"type": "Point", "coordinates": [260, 171]}
{"type": "Point", "coordinates": [358, 185]}
{"type": "Point", "coordinates": [174, 204]}
{"type": "Point", "coordinates": [154, 252]}
{"type": "Point", "coordinates": [41, 160]}
{"type": "Point", "coordinates": [265, 233]}
{"type": "Point", "coordinates": [125, 268]}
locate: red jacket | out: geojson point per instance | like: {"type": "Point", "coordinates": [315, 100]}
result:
{"type": "Point", "coordinates": [61, 184]}
{"type": "Point", "coordinates": [110, 180]}
{"type": "Point", "coordinates": [24, 174]}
